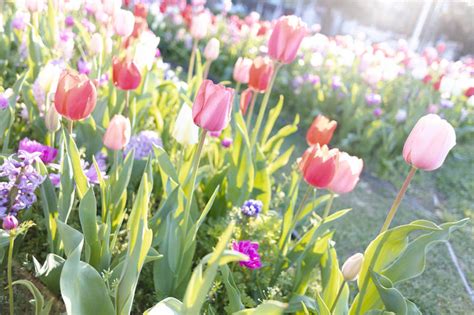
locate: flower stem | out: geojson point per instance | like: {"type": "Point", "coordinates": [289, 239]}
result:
{"type": "Point", "coordinates": [9, 272]}
{"type": "Point", "coordinates": [192, 60]}
{"type": "Point", "coordinates": [252, 105]}
{"type": "Point", "coordinates": [341, 288]}
{"type": "Point", "coordinates": [328, 206]}
{"type": "Point", "coordinates": [398, 199]}
{"type": "Point", "coordinates": [70, 127]}
{"type": "Point", "coordinates": [207, 66]}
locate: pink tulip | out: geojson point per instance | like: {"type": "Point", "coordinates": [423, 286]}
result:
{"type": "Point", "coordinates": [118, 132]}
{"type": "Point", "coordinates": [348, 169]}
{"type": "Point", "coordinates": [286, 38]}
{"type": "Point", "coordinates": [199, 25]}
{"type": "Point", "coordinates": [242, 70]}
{"type": "Point", "coordinates": [429, 143]}
{"type": "Point", "coordinates": [211, 52]}
{"type": "Point", "coordinates": [260, 74]}
{"type": "Point", "coordinates": [124, 21]}
{"type": "Point", "coordinates": [318, 165]}
{"type": "Point", "coordinates": [212, 106]}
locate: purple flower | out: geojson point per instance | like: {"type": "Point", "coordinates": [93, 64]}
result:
{"type": "Point", "coordinates": [312, 78]}
{"type": "Point", "coordinates": [90, 170]}
{"type": "Point", "coordinates": [373, 99]}
{"type": "Point", "coordinates": [3, 101]}
{"type": "Point", "coordinates": [336, 82]}
{"type": "Point", "coordinates": [143, 144]}
{"type": "Point", "coordinates": [69, 20]}
{"type": "Point", "coordinates": [55, 179]}
{"type": "Point", "coordinates": [226, 142]}
{"type": "Point", "coordinates": [83, 67]}
{"type": "Point", "coordinates": [158, 53]}
{"type": "Point", "coordinates": [215, 134]}
{"type": "Point", "coordinates": [432, 109]}
{"type": "Point", "coordinates": [66, 35]}
{"type": "Point", "coordinates": [19, 21]}
{"type": "Point", "coordinates": [297, 82]}
{"type": "Point", "coordinates": [104, 79]}
{"type": "Point", "coordinates": [47, 154]}
{"type": "Point", "coordinates": [401, 115]}
{"type": "Point", "coordinates": [10, 222]}
{"type": "Point", "coordinates": [446, 103]}
{"type": "Point", "coordinates": [252, 207]}
{"type": "Point", "coordinates": [251, 250]}
{"type": "Point", "coordinates": [378, 112]}
{"type": "Point", "coordinates": [88, 25]}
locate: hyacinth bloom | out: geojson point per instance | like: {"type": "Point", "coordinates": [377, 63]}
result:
{"type": "Point", "coordinates": [185, 130]}
{"type": "Point", "coordinates": [211, 52]}
{"type": "Point", "coordinates": [10, 222]}
{"type": "Point", "coordinates": [117, 135]}
{"type": "Point", "coordinates": [286, 38]}
{"type": "Point", "coordinates": [47, 154]}
{"type": "Point", "coordinates": [260, 74]}
{"type": "Point", "coordinates": [321, 131]}
{"type": "Point", "coordinates": [143, 144]}
{"type": "Point", "coordinates": [429, 143]}
{"type": "Point", "coordinates": [212, 106]}
{"type": "Point", "coordinates": [245, 99]}
{"type": "Point", "coordinates": [75, 96]}
{"type": "Point", "coordinates": [318, 165]}
{"type": "Point", "coordinates": [251, 208]}
{"type": "Point", "coordinates": [251, 250]}
{"type": "Point", "coordinates": [125, 74]}
{"type": "Point", "coordinates": [346, 177]}
{"type": "Point", "coordinates": [124, 22]}
{"type": "Point", "coordinates": [373, 99]}
{"type": "Point", "coordinates": [242, 70]}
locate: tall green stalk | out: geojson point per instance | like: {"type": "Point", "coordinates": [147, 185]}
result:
{"type": "Point", "coordinates": [9, 272]}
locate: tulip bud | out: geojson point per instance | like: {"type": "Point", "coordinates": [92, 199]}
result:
{"type": "Point", "coordinates": [346, 177]}
{"type": "Point", "coordinates": [351, 268]}
{"type": "Point", "coordinates": [286, 38]}
{"type": "Point", "coordinates": [321, 131]}
{"type": "Point", "coordinates": [242, 69]}
{"type": "Point", "coordinates": [185, 131]}
{"type": "Point", "coordinates": [124, 22]}
{"type": "Point", "coordinates": [212, 106]}
{"type": "Point", "coordinates": [10, 222]}
{"type": "Point", "coordinates": [260, 74]}
{"type": "Point", "coordinates": [125, 74]}
{"type": "Point", "coordinates": [52, 120]}
{"type": "Point", "coordinates": [76, 95]}
{"type": "Point", "coordinates": [199, 25]}
{"type": "Point", "coordinates": [34, 5]}
{"type": "Point", "coordinates": [211, 52]}
{"type": "Point", "coordinates": [118, 132]}
{"type": "Point", "coordinates": [429, 143]}
{"type": "Point", "coordinates": [96, 44]}
{"type": "Point", "coordinates": [318, 165]}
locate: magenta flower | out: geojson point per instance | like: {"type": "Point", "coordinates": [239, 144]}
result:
{"type": "Point", "coordinates": [251, 250]}
{"type": "Point", "coordinates": [226, 142]}
{"type": "Point", "coordinates": [47, 154]}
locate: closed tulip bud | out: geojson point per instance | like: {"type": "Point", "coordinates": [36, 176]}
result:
{"type": "Point", "coordinates": [245, 99]}
{"type": "Point", "coordinates": [97, 44]}
{"type": "Point", "coordinates": [348, 169]}
{"type": "Point", "coordinates": [318, 165]}
{"type": "Point", "coordinates": [75, 96]}
{"type": "Point", "coordinates": [352, 266]}
{"type": "Point", "coordinates": [242, 70]}
{"type": "Point", "coordinates": [429, 143]}
{"type": "Point", "coordinates": [260, 74]}
{"type": "Point", "coordinates": [124, 22]}
{"type": "Point", "coordinates": [125, 74]}
{"type": "Point", "coordinates": [10, 222]}
{"type": "Point", "coordinates": [117, 135]}
{"type": "Point", "coordinates": [286, 38]}
{"type": "Point", "coordinates": [199, 25]}
{"type": "Point", "coordinates": [212, 106]}
{"type": "Point", "coordinates": [34, 5]}
{"type": "Point", "coordinates": [321, 131]}
{"type": "Point", "coordinates": [211, 52]}
{"type": "Point", "coordinates": [185, 131]}
{"type": "Point", "coordinates": [52, 120]}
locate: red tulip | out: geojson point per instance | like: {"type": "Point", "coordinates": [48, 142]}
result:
{"type": "Point", "coordinates": [321, 131]}
{"type": "Point", "coordinates": [212, 106]}
{"type": "Point", "coordinates": [347, 174]}
{"type": "Point", "coordinates": [125, 74]}
{"type": "Point", "coordinates": [75, 96]}
{"type": "Point", "coordinates": [469, 92]}
{"type": "Point", "coordinates": [286, 38]}
{"type": "Point", "coordinates": [260, 74]}
{"type": "Point", "coordinates": [318, 165]}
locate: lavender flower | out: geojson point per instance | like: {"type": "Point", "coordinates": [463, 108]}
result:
{"type": "Point", "coordinates": [251, 250]}
{"type": "Point", "coordinates": [251, 207]}
{"type": "Point", "coordinates": [143, 144]}
{"type": "Point", "coordinates": [69, 20]}
{"type": "Point", "coordinates": [47, 154]}
{"type": "Point", "coordinates": [90, 170]}
{"type": "Point", "coordinates": [373, 99]}
{"type": "Point", "coordinates": [378, 112]}
{"type": "Point", "coordinates": [215, 134]}
{"type": "Point", "coordinates": [401, 115]}
{"type": "Point", "coordinates": [4, 98]}
{"type": "Point", "coordinates": [336, 82]}
{"type": "Point", "coordinates": [20, 21]}
{"type": "Point", "coordinates": [84, 67]}
{"type": "Point", "coordinates": [446, 103]}
{"type": "Point", "coordinates": [226, 142]}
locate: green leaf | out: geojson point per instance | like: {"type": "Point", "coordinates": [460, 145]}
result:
{"type": "Point", "coordinates": [79, 177]}
{"type": "Point", "coordinates": [262, 189]}
{"type": "Point", "coordinates": [168, 306]}
{"type": "Point", "coordinates": [391, 297]}
{"type": "Point", "coordinates": [273, 115]}
{"type": "Point", "coordinates": [233, 293]}
{"type": "Point", "coordinates": [40, 307]}
{"type": "Point", "coordinates": [50, 272]}
{"type": "Point", "coordinates": [88, 218]}
{"type": "Point", "coordinates": [267, 308]}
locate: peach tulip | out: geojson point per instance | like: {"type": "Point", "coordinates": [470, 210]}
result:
{"type": "Point", "coordinates": [117, 135]}
{"type": "Point", "coordinates": [125, 74]}
{"type": "Point", "coordinates": [321, 130]}
{"type": "Point", "coordinates": [242, 69]}
{"type": "Point", "coordinates": [124, 22]}
{"type": "Point", "coordinates": [212, 106]}
{"type": "Point", "coordinates": [429, 143]}
{"type": "Point", "coordinates": [75, 96]}
{"type": "Point", "coordinates": [318, 165]}
{"type": "Point", "coordinates": [211, 52]}
{"type": "Point", "coordinates": [286, 38]}
{"type": "Point", "coordinates": [260, 74]}
{"type": "Point", "coordinates": [348, 169]}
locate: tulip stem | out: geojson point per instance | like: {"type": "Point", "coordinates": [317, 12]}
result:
{"type": "Point", "coordinates": [341, 288]}
{"type": "Point", "coordinates": [192, 60]}
{"type": "Point", "coordinates": [252, 105]}
{"type": "Point", "coordinates": [263, 107]}
{"type": "Point", "coordinates": [9, 272]}
{"type": "Point", "coordinates": [70, 126]}
{"type": "Point", "coordinates": [207, 66]}
{"type": "Point", "coordinates": [398, 199]}
{"type": "Point", "coordinates": [328, 205]}
{"type": "Point", "coordinates": [127, 103]}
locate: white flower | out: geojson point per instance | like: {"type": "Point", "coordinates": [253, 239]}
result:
{"type": "Point", "coordinates": [185, 131]}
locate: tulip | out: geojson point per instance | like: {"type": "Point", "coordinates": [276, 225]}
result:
{"type": "Point", "coordinates": [124, 22]}
{"type": "Point", "coordinates": [348, 169]}
{"type": "Point", "coordinates": [318, 165]}
{"type": "Point", "coordinates": [212, 106]}
{"type": "Point", "coordinates": [125, 74]}
{"type": "Point", "coordinates": [286, 38]}
{"type": "Point", "coordinates": [10, 222]}
{"type": "Point", "coordinates": [199, 25]}
{"type": "Point", "coordinates": [321, 131]}
{"type": "Point", "coordinates": [75, 96]}
{"type": "Point", "coordinates": [211, 52]}
{"type": "Point", "coordinates": [351, 268]}
{"type": "Point", "coordinates": [429, 143]}
{"type": "Point", "coordinates": [97, 44]}
{"type": "Point", "coordinates": [52, 120]}
{"type": "Point", "coordinates": [242, 69]}
{"type": "Point", "coordinates": [260, 74]}
{"type": "Point", "coordinates": [117, 135]}
{"type": "Point", "coordinates": [245, 99]}
{"type": "Point", "coordinates": [185, 131]}
{"type": "Point", "coordinates": [34, 5]}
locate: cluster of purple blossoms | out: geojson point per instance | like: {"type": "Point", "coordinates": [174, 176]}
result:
{"type": "Point", "coordinates": [251, 207]}
{"type": "Point", "coordinates": [47, 154]}
{"type": "Point", "coordinates": [4, 98]}
{"type": "Point", "coordinates": [143, 144]}
{"type": "Point", "coordinates": [251, 250]}
{"type": "Point", "coordinates": [20, 179]}
{"type": "Point", "coordinates": [89, 170]}
{"type": "Point", "coordinates": [373, 99]}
